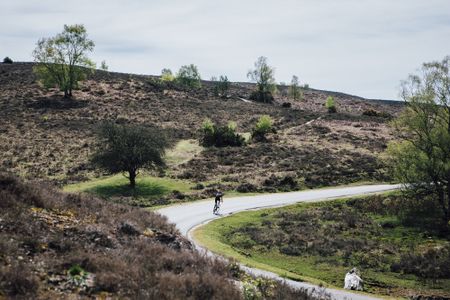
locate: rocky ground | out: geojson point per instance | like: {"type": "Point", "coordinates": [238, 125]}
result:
{"type": "Point", "coordinates": [45, 136]}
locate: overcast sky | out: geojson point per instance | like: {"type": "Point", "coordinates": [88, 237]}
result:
{"type": "Point", "coordinates": [361, 47]}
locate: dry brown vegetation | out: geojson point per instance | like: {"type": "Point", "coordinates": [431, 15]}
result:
{"type": "Point", "coordinates": [55, 245]}
{"type": "Point", "coordinates": [44, 136]}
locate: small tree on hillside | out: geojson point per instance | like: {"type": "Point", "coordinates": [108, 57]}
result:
{"type": "Point", "coordinates": [189, 76]}
{"type": "Point", "coordinates": [421, 159]}
{"type": "Point", "coordinates": [262, 128]}
{"type": "Point", "coordinates": [330, 104]}
{"type": "Point", "coordinates": [221, 86]}
{"type": "Point", "coordinates": [167, 75]}
{"type": "Point", "coordinates": [62, 60]}
{"type": "Point", "coordinates": [104, 66]}
{"type": "Point", "coordinates": [128, 148]}
{"type": "Point", "coordinates": [264, 76]}
{"type": "Point", "coordinates": [294, 89]}
{"type": "Point", "coordinates": [7, 60]}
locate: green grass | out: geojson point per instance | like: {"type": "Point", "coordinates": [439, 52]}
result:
{"type": "Point", "coordinates": [146, 187]}
{"type": "Point", "coordinates": [183, 151]}
{"type": "Point", "coordinates": [326, 270]}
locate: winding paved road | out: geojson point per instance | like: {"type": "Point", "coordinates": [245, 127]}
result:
{"type": "Point", "coordinates": [189, 215]}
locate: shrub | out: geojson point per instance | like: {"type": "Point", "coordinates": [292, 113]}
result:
{"type": "Point", "coordinates": [432, 264]}
{"type": "Point", "coordinates": [373, 113]}
{"type": "Point", "coordinates": [331, 105]}
{"type": "Point", "coordinates": [208, 130]}
{"type": "Point", "coordinates": [246, 188]}
{"type": "Point", "coordinates": [18, 280]}
{"type": "Point", "coordinates": [166, 75]}
{"type": "Point", "coordinates": [262, 128]}
{"type": "Point", "coordinates": [264, 97]}
{"type": "Point", "coordinates": [189, 76]}
{"type": "Point", "coordinates": [220, 136]}
{"type": "Point", "coordinates": [221, 87]}
{"type": "Point", "coordinates": [77, 275]}
{"type": "Point", "coordinates": [7, 60]}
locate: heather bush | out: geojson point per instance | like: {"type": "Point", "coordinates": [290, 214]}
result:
{"type": "Point", "coordinates": [264, 97]}
{"type": "Point", "coordinates": [431, 264]}
{"type": "Point", "coordinates": [18, 280]}
{"type": "Point", "coordinates": [220, 136]}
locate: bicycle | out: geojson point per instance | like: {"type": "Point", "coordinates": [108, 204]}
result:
{"type": "Point", "coordinates": [216, 208]}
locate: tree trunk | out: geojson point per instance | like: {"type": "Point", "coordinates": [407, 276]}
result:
{"type": "Point", "coordinates": [445, 204]}
{"type": "Point", "coordinates": [132, 177]}
{"type": "Point", "coordinates": [447, 210]}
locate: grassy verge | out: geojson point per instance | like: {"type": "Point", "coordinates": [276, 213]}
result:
{"type": "Point", "coordinates": [259, 239]}
{"type": "Point", "coordinates": [148, 188]}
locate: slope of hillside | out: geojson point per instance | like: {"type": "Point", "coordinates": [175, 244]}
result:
{"type": "Point", "coordinates": [44, 136]}
{"type": "Point", "coordinates": [66, 246]}
{"type": "Point", "coordinates": [54, 244]}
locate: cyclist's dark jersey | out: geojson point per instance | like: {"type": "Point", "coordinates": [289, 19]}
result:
{"type": "Point", "coordinates": [218, 197]}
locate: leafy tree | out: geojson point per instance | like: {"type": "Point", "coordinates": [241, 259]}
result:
{"type": "Point", "coordinates": [294, 89]}
{"type": "Point", "coordinates": [166, 75]}
{"type": "Point", "coordinates": [128, 148]}
{"type": "Point", "coordinates": [264, 76]}
{"type": "Point", "coordinates": [189, 76]}
{"type": "Point", "coordinates": [221, 86]}
{"type": "Point", "coordinates": [104, 66]}
{"type": "Point", "coordinates": [220, 136]}
{"type": "Point", "coordinates": [62, 60]}
{"type": "Point", "coordinates": [422, 158]}
{"type": "Point", "coordinates": [331, 105]}
{"type": "Point", "coordinates": [262, 128]}
{"type": "Point", "coordinates": [7, 60]}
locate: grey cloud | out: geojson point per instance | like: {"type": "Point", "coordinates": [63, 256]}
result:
{"type": "Point", "coordinates": [363, 47]}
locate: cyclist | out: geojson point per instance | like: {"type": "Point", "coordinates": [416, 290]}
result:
{"type": "Point", "coordinates": [217, 200]}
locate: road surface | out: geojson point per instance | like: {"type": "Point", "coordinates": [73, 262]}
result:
{"type": "Point", "coordinates": [189, 215]}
